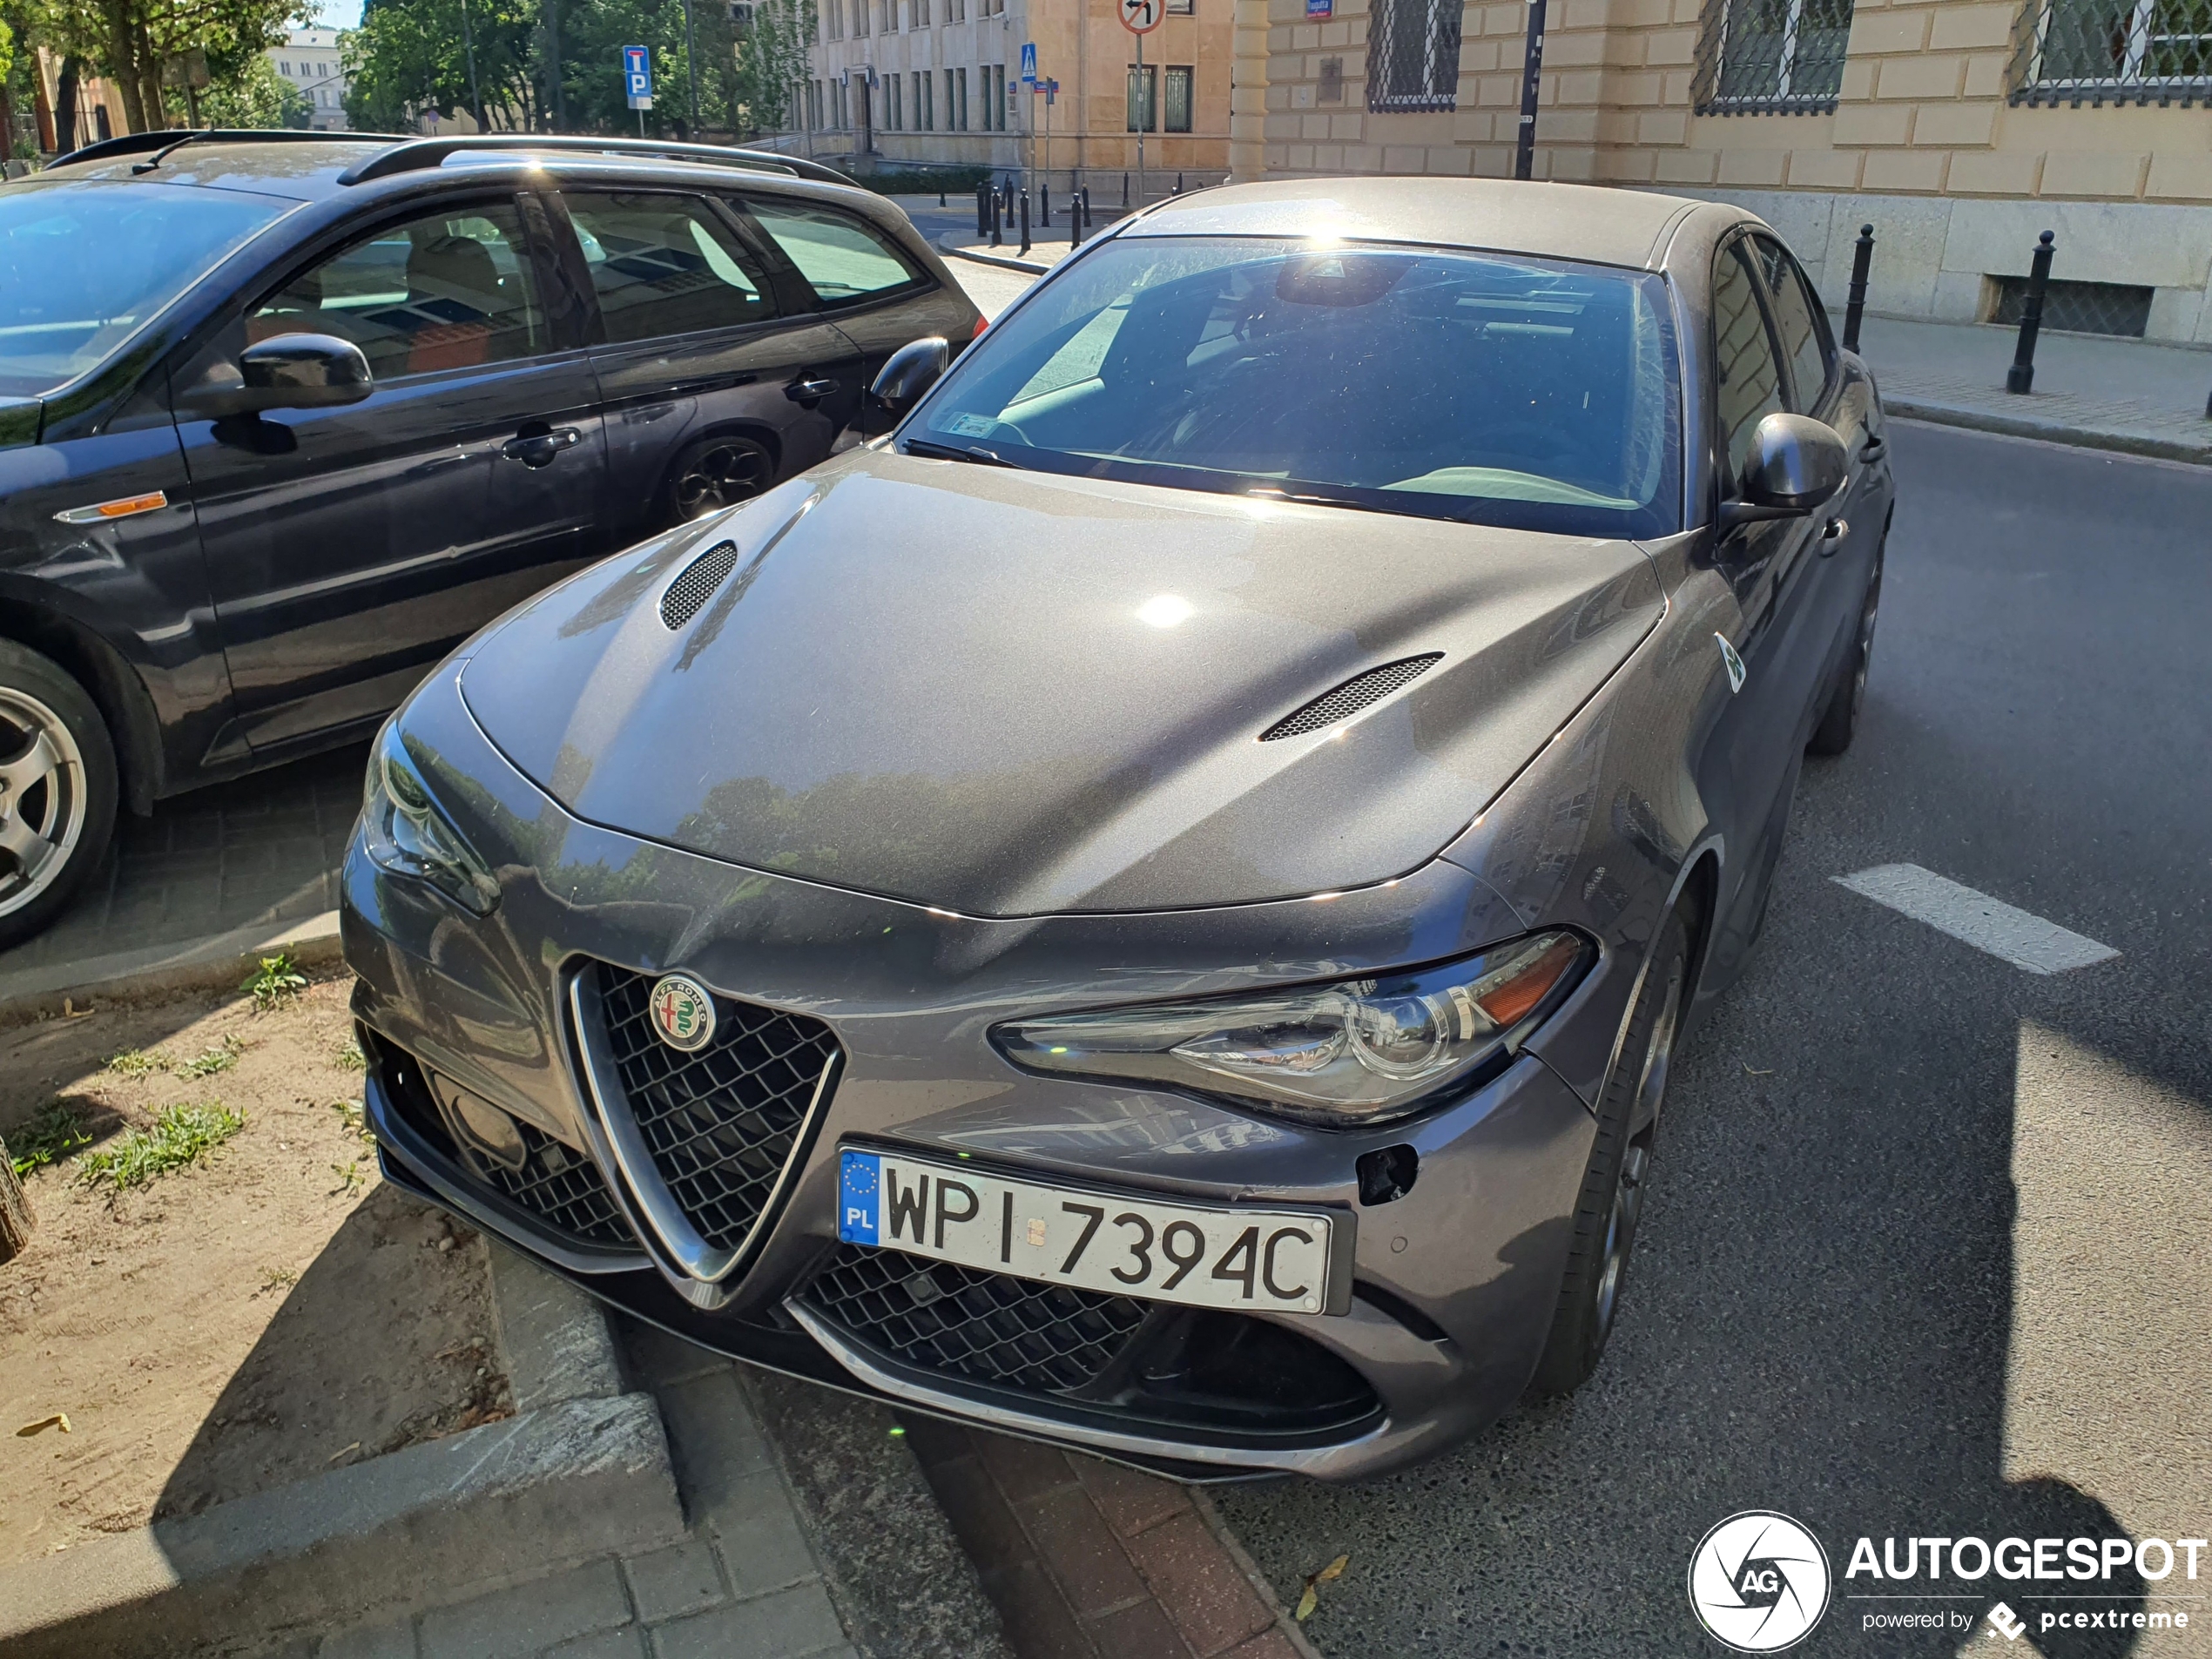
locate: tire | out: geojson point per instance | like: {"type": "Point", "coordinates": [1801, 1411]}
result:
{"type": "Point", "coordinates": [714, 473]}
{"type": "Point", "coordinates": [1839, 721]}
{"type": "Point", "coordinates": [57, 791]}
{"type": "Point", "coordinates": [1611, 1201]}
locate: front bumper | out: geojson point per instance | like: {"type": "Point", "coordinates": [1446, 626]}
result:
{"type": "Point", "coordinates": [1454, 1282]}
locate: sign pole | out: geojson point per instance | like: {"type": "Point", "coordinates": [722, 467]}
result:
{"type": "Point", "coordinates": [1143, 119]}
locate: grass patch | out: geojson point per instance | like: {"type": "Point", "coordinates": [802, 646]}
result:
{"type": "Point", "coordinates": [350, 1058]}
{"type": "Point", "coordinates": [208, 1062]}
{"type": "Point", "coordinates": [276, 982]}
{"type": "Point", "coordinates": [54, 1134]}
{"type": "Point", "coordinates": [135, 1063]}
{"type": "Point", "coordinates": [181, 1134]}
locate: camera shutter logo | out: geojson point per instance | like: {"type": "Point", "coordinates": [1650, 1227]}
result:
{"type": "Point", "coordinates": [682, 1013]}
{"type": "Point", "coordinates": [1759, 1581]}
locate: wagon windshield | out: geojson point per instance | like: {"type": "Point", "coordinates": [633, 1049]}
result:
{"type": "Point", "coordinates": [1493, 388]}
{"type": "Point", "coordinates": [83, 263]}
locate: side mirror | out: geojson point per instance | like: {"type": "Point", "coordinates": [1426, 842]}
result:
{"type": "Point", "coordinates": [912, 370]}
{"type": "Point", "coordinates": [1797, 464]}
{"type": "Point", "coordinates": [304, 372]}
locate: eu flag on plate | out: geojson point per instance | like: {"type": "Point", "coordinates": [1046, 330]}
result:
{"type": "Point", "coordinates": [859, 1180]}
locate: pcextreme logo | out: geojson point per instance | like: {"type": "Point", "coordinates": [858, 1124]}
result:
{"type": "Point", "coordinates": [1758, 1582]}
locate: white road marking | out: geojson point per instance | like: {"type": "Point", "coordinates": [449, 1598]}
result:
{"type": "Point", "coordinates": [1987, 924]}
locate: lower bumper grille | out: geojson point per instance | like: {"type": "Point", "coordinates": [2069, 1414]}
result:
{"type": "Point", "coordinates": [562, 1185]}
{"type": "Point", "coordinates": [991, 1327]}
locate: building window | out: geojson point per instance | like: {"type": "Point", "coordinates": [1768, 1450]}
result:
{"type": "Point", "coordinates": [1778, 56]}
{"type": "Point", "coordinates": [925, 116]}
{"type": "Point", "coordinates": [1183, 7]}
{"type": "Point", "coordinates": [1143, 100]}
{"type": "Point", "coordinates": [918, 14]}
{"type": "Point", "coordinates": [2118, 51]}
{"type": "Point", "coordinates": [960, 87]}
{"type": "Point", "coordinates": [284, 67]}
{"type": "Point", "coordinates": [888, 22]}
{"type": "Point", "coordinates": [860, 19]}
{"type": "Point", "coordinates": [1414, 55]}
{"type": "Point", "coordinates": [1179, 106]}
{"type": "Point", "coordinates": [895, 116]}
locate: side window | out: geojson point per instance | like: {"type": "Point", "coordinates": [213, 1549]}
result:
{"type": "Point", "coordinates": [1751, 380]}
{"type": "Point", "coordinates": [842, 257]}
{"type": "Point", "coordinates": [1804, 342]}
{"type": "Point", "coordinates": [449, 290]}
{"type": "Point", "coordinates": [666, 265]}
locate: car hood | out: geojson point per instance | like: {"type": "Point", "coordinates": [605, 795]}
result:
{"type": "Point", "coordinates": [1013, 693]}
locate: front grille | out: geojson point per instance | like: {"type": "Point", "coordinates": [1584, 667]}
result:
{"type": "Point", "coordinates": [992, 1327]}
{"type": "Point", "coordinates": [561, 1185]}
{"type": "Point", "coordinates": [721, 1123]}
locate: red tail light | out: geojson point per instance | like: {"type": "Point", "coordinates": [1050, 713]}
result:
{"type": "Point", "coordinates": [981, 323]}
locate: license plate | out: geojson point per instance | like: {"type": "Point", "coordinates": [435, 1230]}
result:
{"type": "Point", "coordinates": [1244, 1259]}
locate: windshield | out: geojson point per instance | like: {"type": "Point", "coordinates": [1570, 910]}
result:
{"type": "Point", "coordinates": [1493, 388]}
{"type": "Point", "coordinates": [82, 265]}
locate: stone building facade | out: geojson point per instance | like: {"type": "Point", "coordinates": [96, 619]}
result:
{"type": "Point", "coordinates": [1961, 129]}
{"type": "Point", "coordinates": [940, 81]}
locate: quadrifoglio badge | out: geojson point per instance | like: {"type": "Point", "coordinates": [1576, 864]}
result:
{"type": "Point", "coordinates": [1760, 1581]}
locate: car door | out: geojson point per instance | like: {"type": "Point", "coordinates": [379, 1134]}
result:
{"type": "Point", "coordinates": [879, 296]}
{"type": "Point", "coordinates": [713, 383]}
{"type": "Point", "coordinates": [1759, 739]}
{"type": "Point", "coordinates": [349, 549]}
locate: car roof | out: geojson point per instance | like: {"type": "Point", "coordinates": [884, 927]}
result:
{"type": "Point", "coordinates": [316, 170]}
{"type": "Point", "coordinates": [1589, 222]}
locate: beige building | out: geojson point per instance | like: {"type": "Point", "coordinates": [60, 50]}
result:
{"type": "Point", "coordinates": [309, 58]}
{"type": "Point", "coordinates": [1961, 129]}
{"type": "Point", "coordinates": [940, 81]}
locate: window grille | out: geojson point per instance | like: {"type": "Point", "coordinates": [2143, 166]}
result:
{"type": "Point", "coordinates": [2079, 308]}
{"type": "Point", "coordinates": [1777, 57]}
{"type": "Point", "coordinates": [2120, 52]}
{"type": "Point", "coordinates": [1144, 99]}
{"type": "Point", "coordinates": [1177, 114]}
{"type": "Point", "coordinates": [1414, 55]}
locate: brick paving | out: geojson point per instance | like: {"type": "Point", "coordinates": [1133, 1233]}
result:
{"type": "Point", "coordinates": [262, 851]}
{"type": "Point", "coordinates": [1091, 1560]}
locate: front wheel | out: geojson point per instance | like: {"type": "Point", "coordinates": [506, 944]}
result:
{"type": "Point", "coordinates": [1611, 1201]}
{"type": "Point", "coordinates": [57, 791]}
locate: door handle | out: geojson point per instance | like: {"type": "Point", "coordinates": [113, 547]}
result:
{"type": "Point", "coordinates": [536, 448]}
{"type": "Point", "coordinates": [809, 391]}
{"type": "Point", "coordinates": [1873, 450]}
{"type": "Point", "coordinates": [1831, 537]}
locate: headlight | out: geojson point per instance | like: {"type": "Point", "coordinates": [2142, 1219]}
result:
{"type": "Point", "coordinates": [402, 833]}
{"type": "Point", "coordinates": [1341, 1055]}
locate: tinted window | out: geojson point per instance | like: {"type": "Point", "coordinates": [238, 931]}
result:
{"type": "Point", "coordinates": [452, 289]}
{"type": "Point", "coordinates": [666, 265]}
{"type": "Point", "coordinates": [1502, 390]}
{"type": "Point", "coordinates": [83, 264]}
{"type": "Point", "coordinates": [841, 258]}
{"type": "Point", "coordinates": [1749, 385]}
{"type": "Point", "coordinates": [1803, 343]}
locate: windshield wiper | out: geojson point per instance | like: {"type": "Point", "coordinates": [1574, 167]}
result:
{"type": "Point", "coordinates": [1305, 500]}
{"type": "Point", "coordinates": [954, 452]}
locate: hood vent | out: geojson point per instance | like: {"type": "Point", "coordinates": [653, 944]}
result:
{"type": "Point", "coordinates": [700, 578]}
{"type": "Point", "coordinates": [1332, 708]}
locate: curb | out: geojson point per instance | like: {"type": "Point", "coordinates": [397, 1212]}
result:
{"type": "Point", "coordinates": [1005, 262]}
{"type": "Point", "coordinates": [581, 1470]}
{"type": "Point", "coordinates": [1907, 408]}
{"type": "Point", "coordinates": [217, 962]}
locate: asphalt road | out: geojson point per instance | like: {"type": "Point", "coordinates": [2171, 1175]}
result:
{"type": "Point", "coordinates": [1929, 1249]}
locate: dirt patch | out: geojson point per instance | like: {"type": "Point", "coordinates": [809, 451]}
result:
{"type": "Point", "coordinates": [265, 1312]}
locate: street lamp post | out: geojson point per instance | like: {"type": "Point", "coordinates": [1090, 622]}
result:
{"type": "Point", "coordinates": [691, 64]}
{"type": "Point", "coordinates": [469, 46]}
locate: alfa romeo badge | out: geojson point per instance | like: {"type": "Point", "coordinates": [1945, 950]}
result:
{"type": "Point", "coordinates": [682, 1012]}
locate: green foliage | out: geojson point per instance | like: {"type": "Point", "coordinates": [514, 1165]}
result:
{"type": "Point", "coordinates": [128, 42]}
{"type": "Point", "coordinates": [210, 1061]}
{"type": "Point", "coordinates": [181, 1134]}
{"type": "Point", "coordinates": [134, 1063]}
{"type": "Point", "coordinates": [772, 60]}
{"type": "Point", "coordinates": [255, 95]}
{"type": "Point", "coordinates": [409, 56]}
{"type": "Point", "coordinates": [274, 983]}
{"type": "Point", "coordinates": [55, 1133]}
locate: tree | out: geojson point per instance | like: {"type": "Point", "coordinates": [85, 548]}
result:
{"type": "Point", "coordinates": [253, 95]}
{"type": "Point", "coordinates": [128, 41]}
{"type": "Point", "coordinates": [410, 55]}
{"type": "Point", "coordinates": [772, 62]}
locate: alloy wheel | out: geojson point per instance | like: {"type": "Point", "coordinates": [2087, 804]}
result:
{"type": "Point", "coordinates": [1866, 620]}
{"type": "Point", "coordinates": [43, 802]}
{"type": "Point", "coordinates": [720, 475]}
{"type": "Point", "coordinates": [1629, 1188]}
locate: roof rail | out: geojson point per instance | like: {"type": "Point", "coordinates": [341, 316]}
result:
{"type": "Point", "coordinates": [411, 154]}
{"type": "Point", "coordinates": [134, 144]}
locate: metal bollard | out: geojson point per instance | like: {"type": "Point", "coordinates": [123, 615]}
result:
{"type": "Point", "coordinates": [996, 219]}
{"type": "Point", "coordinates": [1854, 298]}
{"type": "Point", "coordinates": [1025, 221]}
{"type": "Point", "coordinates": [1178, 183]}
{"type": "Point", "coordinates": [1044, 204]}
{"type": "Point", "coordinates": [2020, 377]}
{"type": "Point", "coordinates": [941, 192]}
{"type": "Point", "coordinates": [1124, 192]}
{"type": "Point", "coordinates": [983, 211]}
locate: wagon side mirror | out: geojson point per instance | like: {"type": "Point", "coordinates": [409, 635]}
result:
{"type": "Point", "coordinates": [912, 370]}
{"type": "Point", "coordinates": [290, 372]}
{"type": "Point", "coordinates": [1796, 465]}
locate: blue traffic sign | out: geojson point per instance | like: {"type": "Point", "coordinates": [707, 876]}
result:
{"type": "Point", "coordinates": [1028, 62]}
{"type": "Point", "coordinates": [637, 76]}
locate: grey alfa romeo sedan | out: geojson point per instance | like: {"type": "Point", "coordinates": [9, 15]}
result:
{"type": "Point", "coordinates": [1151, 908]}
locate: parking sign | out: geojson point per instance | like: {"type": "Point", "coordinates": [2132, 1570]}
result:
{"type": "Point", "coordinates": [637, 76]}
